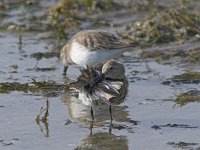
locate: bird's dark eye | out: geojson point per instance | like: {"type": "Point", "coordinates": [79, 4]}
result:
{"type": "Point", "coordinates": [110, 68]}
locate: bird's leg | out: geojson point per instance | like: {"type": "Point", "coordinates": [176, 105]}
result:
{"type": "Point", "coordinates": [110, 128]}
{"type": "Point", "coordinates": [64, 70]}
{"type": "Point", "coordinates": [91, 126]}
{"type": "Point", "coordinates": [91, 111]}
{"type": "Point", "coordinates": [110, 110]}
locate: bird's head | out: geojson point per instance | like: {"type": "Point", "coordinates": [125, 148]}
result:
{"type": "Point", "coordinates": [113, 70]}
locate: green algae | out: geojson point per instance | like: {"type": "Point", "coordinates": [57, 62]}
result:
{"type": "Point", "coordinates": [61, 17]}
{"type": "Point", "coordinates": [42, 119]}
{"type": "Point", "coordinates": [91, 142]}
{"type": "Point", "coordinates": [50, 88]}
{"type": "Point", "coordinates": [7, 5]}
{"type": "Point", "coordinates": [67, 14]}
{"type": "Point", "coordinates": [40, 55]}
{"type": "Point", "coordinates": [94, 6]}
{"type": "Point", "coordinates": [165, 27]}
{"type": "Point", "coordinates": [182, 145]}
{"type": "Point", "coordinates": [188, 77]}
{"type": "Point", "coordinates": [33, 22]}
{"type": "Point", "coordinates": [148, 5]}
{"type": "Point", "coordinates": [194, 56]}
{"type": "Point", "coordinates": [44, 69]}
{"type": "Point", "coordinates": [3, 15]}
{"type": "Point", "coordinates": [183, 126]}
{"type": "Point", "coordinates": [162, 55]}
{"type": "Point", "coordinates": [189, 96]}
{"type": "Point", "coordinates": [7, 87]}
{"type": "Point", "coordinates": [183, 56]}
{"type": "Point", "coordinates": [102, 5]}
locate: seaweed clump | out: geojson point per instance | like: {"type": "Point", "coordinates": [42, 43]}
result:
{"type": "Point", "coordinates": [168, 55]}
{"type": "Point", "coordinates": [40, 55]}
{"type": "Point", "coordinates": [165, 27]}
{"type": "Point", "coordinates": [70, 13]}
{"type": "Point", "coordinates": [47, 88]}
{"type": "Point", "coordinates": [163, 55]}
{"type": "Point", "coordinates": [189, 96]}
{"type": "Point", "coordinates": [182, 145]}
{"type": "Point", "coordinates": [8, 87]}
{"type": "Point", "coordinates": [188, 77]}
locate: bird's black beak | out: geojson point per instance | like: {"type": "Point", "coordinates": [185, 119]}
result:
{"type": "Point", "coordinates": [65, 70]}
{"type": "Point", "coordinates": [102, 75]}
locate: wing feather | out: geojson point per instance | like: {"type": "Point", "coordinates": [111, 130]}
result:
{"type": "Point", "coordinates": [100, 40]}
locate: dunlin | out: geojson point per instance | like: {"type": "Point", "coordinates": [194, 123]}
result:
{"type": "Point", "coordinates": [89, 47]}
{"type": "Point", "coordinates": [103, 83]}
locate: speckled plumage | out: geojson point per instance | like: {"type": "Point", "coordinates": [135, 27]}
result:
{"type": "Point", "coordinates": [106, 84]}
{"type": "Point", "coordinates": [102, 83]}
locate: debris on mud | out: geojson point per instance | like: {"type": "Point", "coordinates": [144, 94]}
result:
{"type": "Point", "coordinates": [156, 127]}
{"type": "Point", "coordinates": [188, 77]}
{"type": "Point", "coordinates": [50, 88]}
{"type": "Point", "coordinates": [182, 145]}
{"type": "Point", "coordinates": [164, 27]}
{"type": "Point", "coordinates": [40, 55]}
{"type": "Point", "coordinates": [189, 96]}
{"type": "Point", "coordinates": [68, 14]}
{"type": "Point", "coordinates": [187, 53]}
{"type": "Point", "coordinates": [42, 119]}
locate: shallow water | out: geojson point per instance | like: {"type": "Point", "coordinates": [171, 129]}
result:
{"type": "Point", "coordinates": [148, 119]}
{"type": "Point", "coordinates": [149, 103]}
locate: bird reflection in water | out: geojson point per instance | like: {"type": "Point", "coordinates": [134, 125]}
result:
{"type": "Point", "coordinates": [107, 142]}
{"type": "Point", "coordinates": [98, 85]}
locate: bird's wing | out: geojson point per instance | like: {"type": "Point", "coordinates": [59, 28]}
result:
{"type": "Point", "coordinates": [101, 40]}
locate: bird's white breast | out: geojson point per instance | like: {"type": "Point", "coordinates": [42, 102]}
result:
{"type": "Point", "coordinates": [81, 55]}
